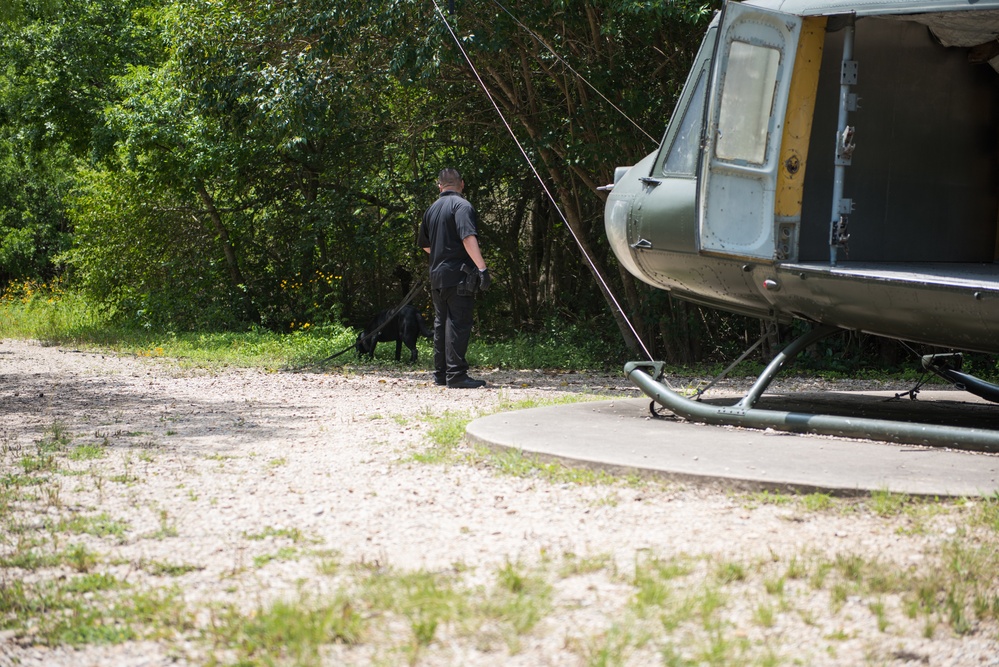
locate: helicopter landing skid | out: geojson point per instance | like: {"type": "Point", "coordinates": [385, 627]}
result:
{"type": "Point", "coordinates": [948, 366]}
{"type": "Point", "coordinates": [648, 376]}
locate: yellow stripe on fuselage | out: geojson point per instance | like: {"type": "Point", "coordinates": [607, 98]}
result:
{"type": "Point", "coordinates": [798, 119]}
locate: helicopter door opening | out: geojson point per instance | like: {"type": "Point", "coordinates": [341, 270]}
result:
{"type": "Point", "coordinates": [923, 179]}
{"type": "Point", "coordinates": [751, 79]}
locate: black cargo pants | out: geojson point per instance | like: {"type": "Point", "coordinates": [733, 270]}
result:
{"type": "Point", "coordinates": [452, 330]}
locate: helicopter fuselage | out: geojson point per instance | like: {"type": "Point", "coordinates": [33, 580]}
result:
{"type": "Point", "coordinates": [833, 163]}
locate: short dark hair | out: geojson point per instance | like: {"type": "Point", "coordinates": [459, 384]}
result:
{"type": "Point", "coordinates": [449, 176]}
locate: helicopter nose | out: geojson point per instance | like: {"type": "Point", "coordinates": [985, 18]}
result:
{"type": "Point", "coordinates": [617, 222]}
{"type": "Point", "coordinates": [648, 218]}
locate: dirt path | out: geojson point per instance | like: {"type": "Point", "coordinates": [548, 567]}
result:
{"type": "Point", "coordinates": [239, 488]}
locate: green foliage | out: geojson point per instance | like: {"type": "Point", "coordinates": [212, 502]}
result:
{"type": "Point", "coordinates": [216, 164]}
{"type": "Point", "coordinates": [557, 345]}
{"type": "Point", "coordinates": [226, 164]}
{"type": "Point", "coordinates": [239, 174]}
{"type": "Point", "coordinates": [59, 57]}
{"type": "Point", "coordinates": [297, 630]}
{"type": "Point", "coordinates": [45, 311]}
{"type": "Point", "coordinates": [33, 225]}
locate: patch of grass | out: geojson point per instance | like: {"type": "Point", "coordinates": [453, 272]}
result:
{"type": "Point", "coordinates": [125, 478]}
{"type": "Point", "coordinates": [719, 650]}
{"type": "Point", "coordinates": [796, 568]}
{"type": "Point", "coordinates": [817, 502]}
{"type": "Point", "coordinates": [506, 405]}
{"type": "Point", "coordinates": [100, 525]}
{"type": "Point", "coordinates": [767, 497]}
{"type": "Point", "coordinates": [809, 502]}
{"type": "Point", "coordinates": [295, 535]}
{"type": "Point", "coordinates": [429, 600]}
{"type": "Point", "coordinates": [80, 558]}
{"type": "Point", "coordinates": [520, 598]}
{"type": "Point", "coordinates": [447, 431]}
{"type": "Point", "coordinates": [329, 562]}
{"type": "Point", "coordinates": [31, 557]}
{"type": "Point", "coordinates": [877, 608]}
{"type": "Point", "coordinates": [40, 463]}
{"type": "Point", "coordinates": [445, 435]}
{"type": "Point", "coordinates": [87, 452]}
{"type": "Point", "coordinates": [838, 635]}
{"type": "Point", "coordinates": [774, 585]}
{"type": "Point", "coordinates": [886, 504]}
{"type": "Point", "coordinates": [730, 571]}
{"type": "Point", "coordinates": [167, 529]}
{"type": "Point", "coordinates": [518, 464]}
{"type": "Point", "coordinates": [91, 583]}
{"type": "Point", "coordinates": [573, 564]}
{"type": "Point", "coordinates": [653, 581]}
{"type": "Point", "coordinates": [817, 578]}
{"type": "Point", "coordinates": [89, 609]}
{"type": "Point", "coordinates": [282, 554]}
{"type": "Point", "coordinates": [287, 632]}
{"type": "Point", "coordinates": [611, 647]}
{"type": "Point", "coordinates": [706, 603]}
{"type": "Point", "coordinates": [851, 567]}
{"type": "Point", "coordinates": [166, 569]}
{"type": "Point", "coordinates": [55, 439]}
{"type": "Point", "coordinates": [57, 315]}
{"type": "Point", "coordinates": [764, 615]}
{"type": "Point", "coordinates": [986, 512]}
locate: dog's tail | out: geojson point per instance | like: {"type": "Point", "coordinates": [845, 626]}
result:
{"type": "Point", "coordinates": [424, 331]}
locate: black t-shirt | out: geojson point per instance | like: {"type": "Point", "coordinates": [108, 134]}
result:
{"type": "Point", "coordinates": [446, 223]}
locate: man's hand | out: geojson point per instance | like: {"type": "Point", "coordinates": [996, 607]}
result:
{"type": "Point", "coordinates": [485, 280]}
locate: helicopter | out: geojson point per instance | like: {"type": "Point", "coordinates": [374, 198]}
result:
{"type": "Point", "coordinates": [833, 163]}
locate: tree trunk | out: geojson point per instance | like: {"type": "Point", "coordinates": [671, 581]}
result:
{"type": "Point", "coordinates": [235, 275]}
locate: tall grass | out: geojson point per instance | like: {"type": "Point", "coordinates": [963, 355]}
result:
{"type": "Point", "coordinates": [56, 316]}
{"type": "Point", "coordinates": [45, 311]}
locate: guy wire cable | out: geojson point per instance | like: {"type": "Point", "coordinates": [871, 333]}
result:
{"type": "Point", "coordinates": [577, 74]}
{"type": "Point", "coordinates": [558, 208]}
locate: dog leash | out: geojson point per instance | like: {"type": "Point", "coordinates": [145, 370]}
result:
{"type": "Point", "coordinates": [405, 302]}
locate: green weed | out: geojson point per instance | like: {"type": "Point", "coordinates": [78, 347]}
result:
{"type": "Point", "coordinates": [445, 435]}
{"type": "Point", "coordinates": [87, 452]}
{"type": "Point", "coordinates": [100, 525]}
{"type": "Point", "coordinates": [287, 632]}
{"type": "Point", "coordinates": [165, 569]}
{"type": "Point", "coordinates": [764, 615]}
{"type": "Point", "coordinates": [886, 504]}
{"type": "Point", "coordinates": [295, 535]}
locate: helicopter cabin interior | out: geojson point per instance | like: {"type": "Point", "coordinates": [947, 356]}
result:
{"type": "Point", "coordinates": [923, 179]}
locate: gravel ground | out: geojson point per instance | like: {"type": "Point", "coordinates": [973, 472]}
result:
{"type": "Point", "coordinates": [217, 469]}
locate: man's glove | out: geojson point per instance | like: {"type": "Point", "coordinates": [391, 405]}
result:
{"type": "Point", "coordinates": [485, 280]}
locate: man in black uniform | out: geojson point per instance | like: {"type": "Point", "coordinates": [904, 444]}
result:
{"type": "Point", "coordinates": [449, 234]}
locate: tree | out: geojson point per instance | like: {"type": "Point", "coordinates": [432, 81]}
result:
{"type": "Point", "coordinates": [267, 132]}
{"type": "Point", "coordinates": [262, 162]}
{"type": "Point", "coordinates": [546, 88]}
{"type": "Point", "coordinates": [60, 58]}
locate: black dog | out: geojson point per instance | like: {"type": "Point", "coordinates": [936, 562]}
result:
{"type": "Point", "coordinates": [405, 327]}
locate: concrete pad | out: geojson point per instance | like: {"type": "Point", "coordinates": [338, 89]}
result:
{"type": "Point", "coordinates": [621, 436]}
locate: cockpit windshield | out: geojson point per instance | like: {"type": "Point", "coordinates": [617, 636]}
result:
{"type": "Point", "coordinates": [682, 156]}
